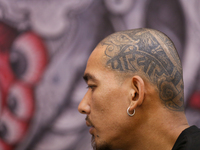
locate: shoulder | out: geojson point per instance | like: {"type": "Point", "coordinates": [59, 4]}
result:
{"type": "Point", "coordinates": [189, 139]}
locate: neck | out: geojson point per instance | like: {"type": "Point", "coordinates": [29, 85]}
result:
{"type": "Point", "coordinates": [159, 132]}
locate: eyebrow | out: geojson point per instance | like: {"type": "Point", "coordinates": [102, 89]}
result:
{"type": "Point", "coordinates": [88, 76]}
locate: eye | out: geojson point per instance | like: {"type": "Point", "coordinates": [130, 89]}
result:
{"type": "Point", "coordinates": [11, 130]}
{"type": "Point", "coordinates": [91, 87]}
{"type": "Point", "coordinates": [28, 57]}
{"type": "Point", "coordinates": [20, 101]}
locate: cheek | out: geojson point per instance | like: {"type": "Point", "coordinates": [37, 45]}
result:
{"type": "Point", "coordinates": [108, 101]}
{"type": "Point", "coordinates": [108, 113]}
{"type": "Point", "coordinates": [101, 99]}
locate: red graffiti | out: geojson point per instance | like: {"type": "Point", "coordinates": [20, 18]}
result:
{"type": "Point", "coordinates": [23, 59]}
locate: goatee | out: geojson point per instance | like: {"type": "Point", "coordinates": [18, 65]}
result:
{"type": "Point", "coordinates": [103, 146]}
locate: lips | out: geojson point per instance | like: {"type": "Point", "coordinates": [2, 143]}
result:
{"type": "Point", "coordinates": [89, 124]}
{"type": "Point", "coordinates": [91, 130]}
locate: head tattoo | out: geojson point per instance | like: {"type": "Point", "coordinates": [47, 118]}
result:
{"type": "Point", "coordinates": [151, 53]}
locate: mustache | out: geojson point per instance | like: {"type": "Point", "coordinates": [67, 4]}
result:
{"type": "Point", "coordinates": [88, 120]}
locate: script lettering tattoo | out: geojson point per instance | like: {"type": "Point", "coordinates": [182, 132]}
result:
{"type": "Point", "coordinates": [153, 53]}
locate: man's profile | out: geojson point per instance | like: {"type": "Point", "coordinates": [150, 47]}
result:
{"type": "Point", "coordinates": [135, 94]}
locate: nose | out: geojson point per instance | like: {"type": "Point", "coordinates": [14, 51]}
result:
{"type": "Point", "coordinates": [84, 107]}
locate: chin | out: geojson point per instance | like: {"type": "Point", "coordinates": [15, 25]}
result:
{"type": "Point", "coordinates": [100, 146]}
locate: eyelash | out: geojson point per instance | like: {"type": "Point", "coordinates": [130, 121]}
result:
{"type": "Point", "coordinates": [91, 86]}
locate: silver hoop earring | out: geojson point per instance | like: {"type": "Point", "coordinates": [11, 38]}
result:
{"type": "Point", "coordinates": [129, 113]}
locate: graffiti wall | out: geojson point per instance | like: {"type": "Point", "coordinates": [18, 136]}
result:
{"type": "Point", "coordinates": [44, 47]}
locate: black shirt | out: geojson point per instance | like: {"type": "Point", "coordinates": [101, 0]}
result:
{"type": "Point", "coordinates": [189, 139]}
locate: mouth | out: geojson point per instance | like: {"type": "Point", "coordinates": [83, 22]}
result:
{"type": "Point", "coordinates": [89, 124]}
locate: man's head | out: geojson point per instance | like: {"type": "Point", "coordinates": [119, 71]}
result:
{"type": "Point", "coordinates": [139, 69]}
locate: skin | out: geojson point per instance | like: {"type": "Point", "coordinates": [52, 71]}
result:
{"type": "Point", "coordinates": [139, 69]}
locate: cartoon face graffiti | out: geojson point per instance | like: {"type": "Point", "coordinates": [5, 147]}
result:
{"type": "Point", "coordinates": [23, 59]}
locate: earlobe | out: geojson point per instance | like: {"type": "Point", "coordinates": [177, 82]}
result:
{"type": "Point", "coordinates": [137, 92]}
{"type": "Point", "coordinates": [129, 113]}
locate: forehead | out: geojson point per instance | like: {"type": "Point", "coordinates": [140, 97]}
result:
{"type": "Point", "coordinates": [96, 64]}
{"type": "Point", "coordinates": [96, 57]}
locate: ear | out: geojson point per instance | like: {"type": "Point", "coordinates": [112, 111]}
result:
{"type": "Point", "coordinates": [137, 92]}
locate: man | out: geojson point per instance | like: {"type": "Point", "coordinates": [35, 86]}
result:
{"type": "Point", "coordinates": [135, 95]}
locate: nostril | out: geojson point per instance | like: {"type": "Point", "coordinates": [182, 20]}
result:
{"type": "Point", "coordinates": [83, 111]}
{"type": "Point", "coordinates": [84, 108]}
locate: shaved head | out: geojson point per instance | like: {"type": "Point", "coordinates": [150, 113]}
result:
{"type": "Point", "coordinates": [135, 92]}
{"type": "Point", "coordinates": [150, 54]}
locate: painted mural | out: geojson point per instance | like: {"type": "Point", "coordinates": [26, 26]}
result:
{"type": "Point", "coordinates": [44, 47]}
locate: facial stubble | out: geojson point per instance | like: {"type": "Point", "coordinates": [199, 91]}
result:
{"type": "Point", "coordinates": [102, 146]}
